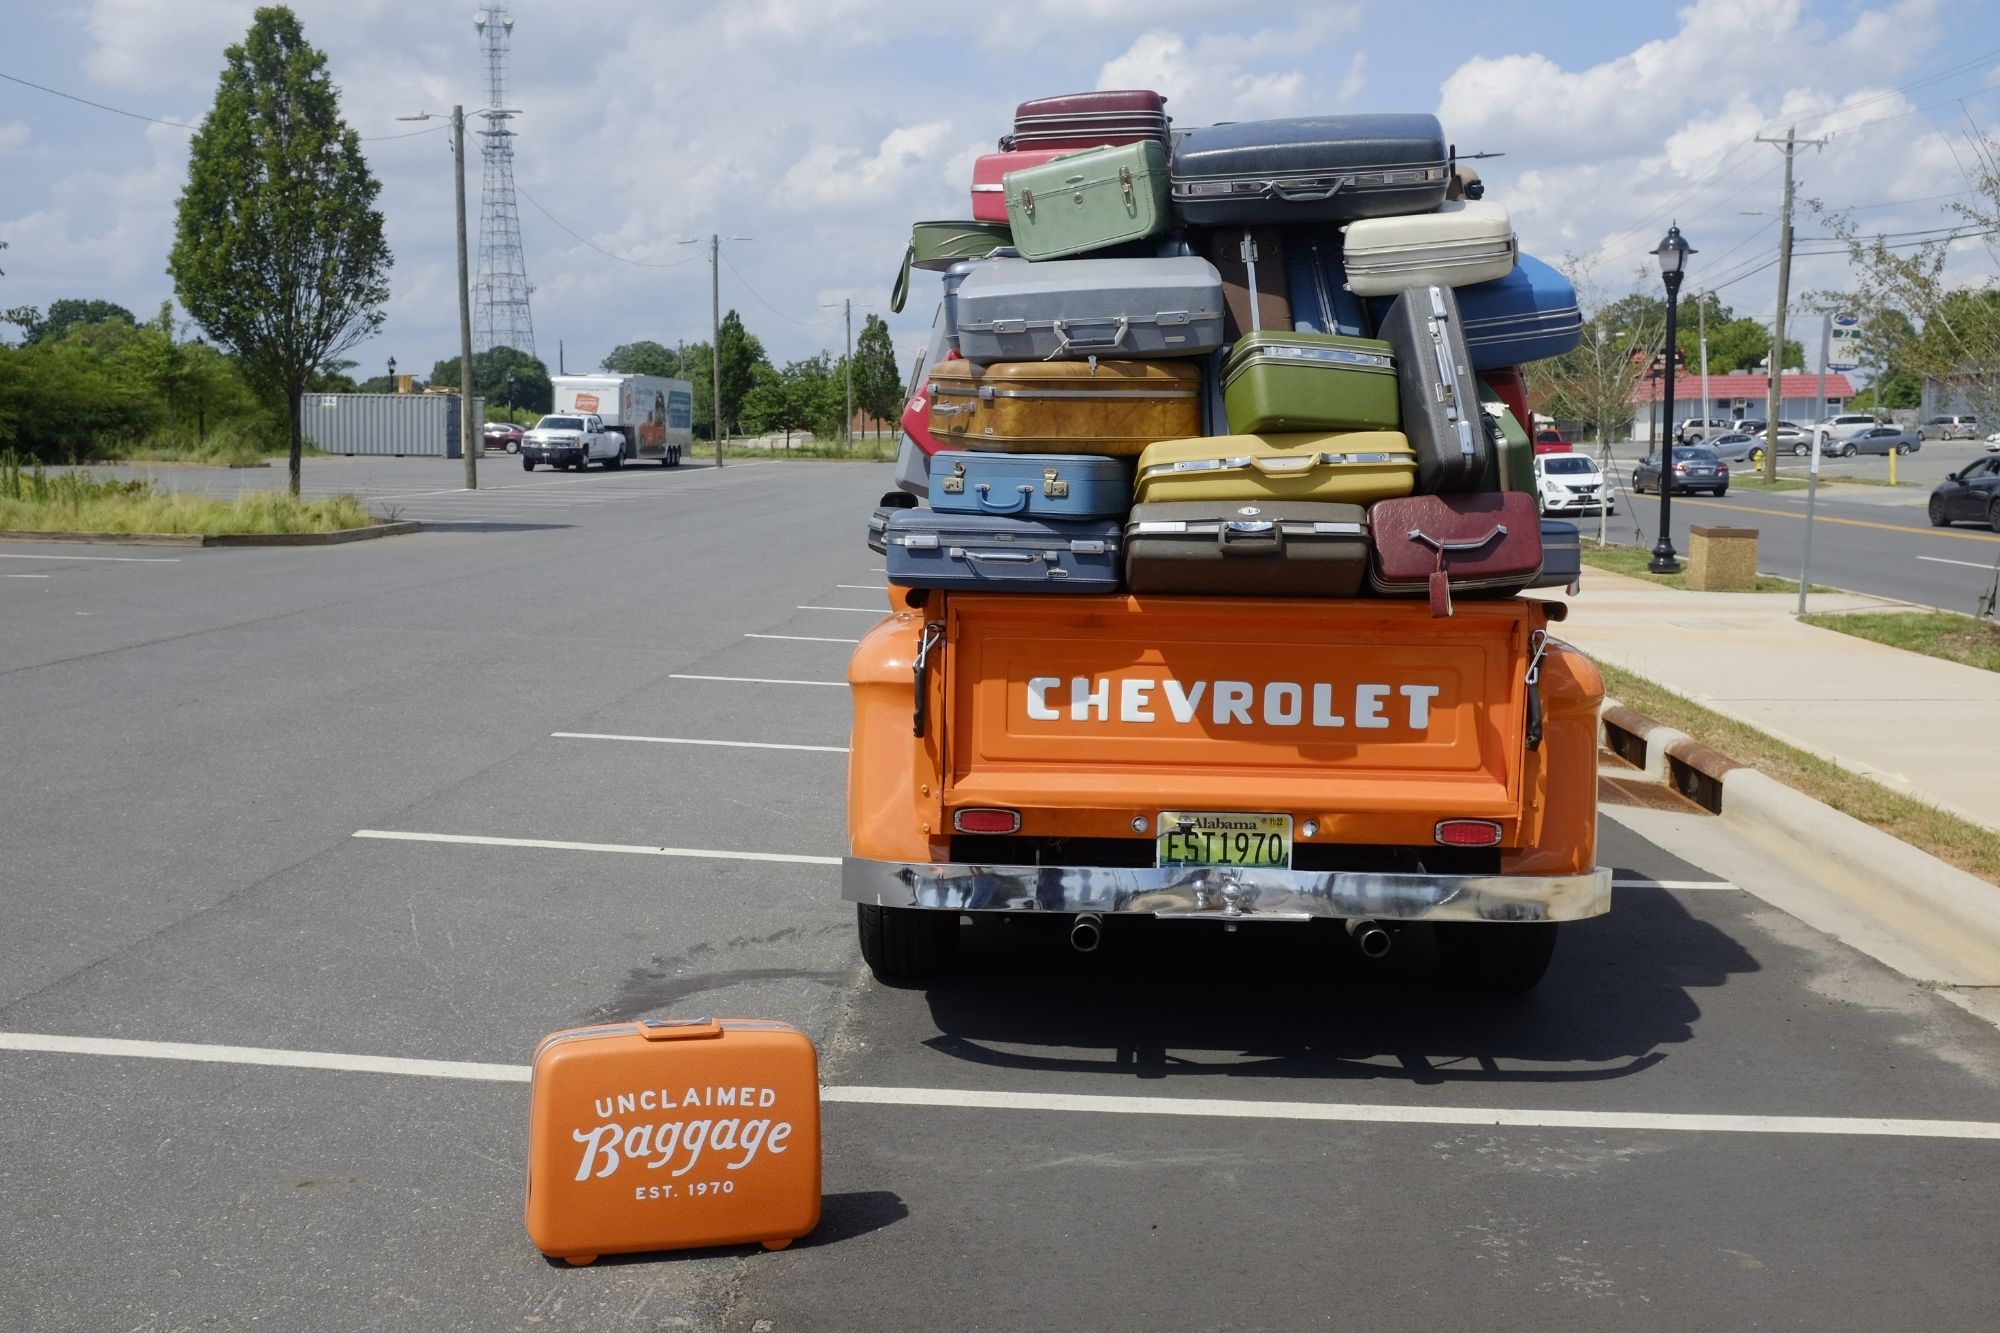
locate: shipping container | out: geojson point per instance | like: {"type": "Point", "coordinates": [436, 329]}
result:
{"type": "Point", "coordinates": [417, 425]}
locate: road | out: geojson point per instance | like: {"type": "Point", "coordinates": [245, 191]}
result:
{"type": "Point", "coordinates": [1697, 1121]}
{"type": "Point", "coordinates": [1866, 538]}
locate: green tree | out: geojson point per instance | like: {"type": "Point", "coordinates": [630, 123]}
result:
{"type": "Point", "coordinates": [529, 388]}
{"type": "Point", "coordinates": [695, 364]}
{"type": "Point", "coordinates": [741, 352]}
{"type": "Point", "coordinates": [878, 382]}
{"type": "Point", "coordinates": [278, 250]}
{"type": "Point", "coordinates": [644, 357]}
{"type": "Point", "coordinates": [65, 313]}
{"type": "Point", "coordinates": [1593, 384]}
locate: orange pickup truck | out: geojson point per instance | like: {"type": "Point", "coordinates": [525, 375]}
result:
{"type": "Point", "coordinates": [1224, 760]}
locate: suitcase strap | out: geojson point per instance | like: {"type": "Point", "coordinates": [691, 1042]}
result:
{"type": "Point", "coordinates": [1538, 644]}
{"type": "Point", "coordinates": [1439, 583]}
{"type": "Point", "coordinates": [933, 637]}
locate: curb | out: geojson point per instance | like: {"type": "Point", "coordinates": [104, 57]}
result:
{"type": "Point", "coordinates": [226, 539]}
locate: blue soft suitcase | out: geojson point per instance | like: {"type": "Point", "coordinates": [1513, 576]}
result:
{"type": "Point", "coordinates": [1317, 284]}
{"type": "Point", "coordinates": [1529, 315]}
{"type": "Point", "coordinates": [1062, 486]}
{"type": "Point", "coordinates": [992, 553]}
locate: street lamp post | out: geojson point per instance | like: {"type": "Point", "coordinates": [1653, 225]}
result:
{"type": "Point", "coordinates": [510, 397]}
{"type": "Point", "coordinates": [1672, 252]}
{"type": "Point", "coordinates": [392, 374]}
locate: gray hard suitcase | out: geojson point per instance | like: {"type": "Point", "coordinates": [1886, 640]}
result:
{"type": "Point", "coordinates": [991, 553]}
{"type": "Point", "coordinates": [1318, 168]}
{"type": "Point", "coordinates": [878, 522]}
{"type": "Point", "coordinates": [1440, 395]}
{"type": "Point", "coordinates": [1562, 555]}
{"type": "Point", "coordinates": [1266, 548]}
{"type": "Point", "coordinates": [1032, 485]}
{"type": "Point", "coordinates": [1074, 309]}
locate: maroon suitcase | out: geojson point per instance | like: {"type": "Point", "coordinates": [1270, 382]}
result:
{"type": "Point", "coordinates": [1252, 263]}
{"type": "Point", "coordinates": [989, 196]}
{"type": "Point", "coordinates": [1087, 120]}
{"type": "Point", "coordinates": [1437, 544]}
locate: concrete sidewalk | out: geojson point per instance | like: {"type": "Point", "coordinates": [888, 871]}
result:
{"type": "Point", "coordinates": [1915, 723]}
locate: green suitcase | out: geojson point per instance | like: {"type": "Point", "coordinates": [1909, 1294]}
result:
{"type": "Point", "coordinates": [1282, 382]}
{"type": "Point", "coordinates": [1511, 446]}
{"type": "Point", "coordinates": [939, 245]}
{"type": "Point", "coordinates": [1086, 201]}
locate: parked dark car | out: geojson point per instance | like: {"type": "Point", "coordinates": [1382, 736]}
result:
{"type": "Point", "coordinates": [1971, 495]}
{"type": "Point", "coordinates": [1877, 440]}
{"type": "Point", "coordinates": [501, 435]}
{"type": "Point", "coordinates": [1695, 469]}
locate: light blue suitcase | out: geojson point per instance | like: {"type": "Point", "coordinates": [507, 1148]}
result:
{"type": "Point", "coordinates": [1061, 486]}
{"type": "Point", "coordinates": [990, 553]}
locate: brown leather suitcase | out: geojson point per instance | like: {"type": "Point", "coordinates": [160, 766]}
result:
{"type": "Point", "coordinates": [1064, 407]}
{"type": "Point", "coordinates": [1435, 545]}
{"type": "Point", "coordinates": [1270, 548]}
{"type": "Point", "coordinates": [669, 1135]}
{"type": "Point", "coordinates": [1251, 261]}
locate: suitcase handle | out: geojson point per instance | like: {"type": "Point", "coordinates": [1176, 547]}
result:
{"type": "Point", "coordinates": [1282, 466]}
{"type": "Point", "coordinates": [987, 503]}
{"type": "Point", "coordinates": [1061, 326]}
{"type": "Point", "coordinates": [901, 291]}
{"type": "Point", "coordinates": [678, 1029]}
{"type": "Point", "coordinates": [1026, 559]}
{"type": "Point", "coordinates": [1294, 194]}
{"type": "Point", "coordinates": [1424, 538]}
{"type": "Point", "coordinates": [1238, 537]}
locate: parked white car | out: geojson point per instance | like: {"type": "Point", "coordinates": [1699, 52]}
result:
{"type": "Point", "coordinates": [1572, 484]}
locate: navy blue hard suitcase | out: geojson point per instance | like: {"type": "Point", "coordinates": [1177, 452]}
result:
{"type": "Point", "coordinates": [963, 552]}
{"type": "Point", "coordinates": [1309, 169]}
{"type": "Point", "coordinates": [1529, 315]}
{"type": "Point", "coordinates": [1317, 284]}
{"type": "Point", "coordinates": [1065, 486]}
{"type": "Point", "coordinates": [1562, 555]}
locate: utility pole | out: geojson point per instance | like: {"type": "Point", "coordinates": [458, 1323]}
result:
{"type": "Point", "coordinates": [470, 437]}
{"type": "Point", "coordinates": [1774, 393]}
{"type": "Point", "coordinates": [715, 331]}
{"type": "Point", "coordinates": [1701, 324]}
{"type": "Point", "coordinates": [847, 422]}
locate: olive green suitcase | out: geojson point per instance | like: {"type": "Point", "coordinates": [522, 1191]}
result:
{"type": "Point", "coordinates": [1086, 201]}
{"type": "Point", "coordinates": [939, 245]}
{"type": "Point", "coordinates": [1282, 381]}
{"type": "Point", "coordinates": [1511, 446]}
{"type": "Point", "coordinates": [1349, 467]}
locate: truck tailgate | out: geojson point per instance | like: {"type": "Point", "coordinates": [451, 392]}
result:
{"type": "Point", "coordinates": [1090, 712]}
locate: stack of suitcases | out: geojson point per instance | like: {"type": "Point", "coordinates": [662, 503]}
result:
{"type": "Point", "coordinates": [1271, 358]}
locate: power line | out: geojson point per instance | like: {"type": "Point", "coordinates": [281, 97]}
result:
{"type": "Point", "coordinates": [819, 324]}
{"type": "Point", "coordinates": [586, 241]}
{"type": "Point", "coordinates": [116, 111]}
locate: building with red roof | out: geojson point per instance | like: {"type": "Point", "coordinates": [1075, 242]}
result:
{"type": "Point", "coordinates": [1743, 394]}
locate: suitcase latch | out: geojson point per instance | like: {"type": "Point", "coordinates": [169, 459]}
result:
{"type": "Point", "coordinates": [955, 483]}
{"type": "Point", "coordinates": [1052, 488]}
{"type": "Point", "coordinates": [1028, 202]}
{"type": "Point", "coordinates": [1125, 183]}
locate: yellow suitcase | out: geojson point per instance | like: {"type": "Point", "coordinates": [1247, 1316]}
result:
{"type": "Point", "coordinates": [1063, 407]}
{"type": "Point", "coordinates": [1350, 467]}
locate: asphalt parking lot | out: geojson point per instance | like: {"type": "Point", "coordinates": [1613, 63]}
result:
{"type": "Point", "coordinates": [306, 848]}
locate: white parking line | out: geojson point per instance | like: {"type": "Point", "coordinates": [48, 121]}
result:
{"type": "Point", "coordinates": [863, 610]}
{"type": "Point", "coordinates": [45, 576]}
{"type": "Point", "coordinates": [1677, 884]}
{"type": "Point", "coordinates": [959, 1099]}
{"type": "Point", "coordinates": [112, 559]}
{"type": "Point", "coordinates": [688, 740]}
{"type": "Point", "coordinates": [552, 845]}
{"type": "Point", "coordinates": [863, 587]}
{"type": "Point", "coordinates": [785, 638]}
{"type": "Point", "coordinates": [1969, 564]}
{"type": "Point", "coordinates": [759, 680]}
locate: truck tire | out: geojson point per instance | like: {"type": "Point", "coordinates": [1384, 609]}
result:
{"type": "Point", "coordinates": [672, 457]}
{"type": "Point", "coordinates": [527, 465]}
{"type": "Point", "coordinates": [1496, 958]}
{"type": "Point", "coordinates": [906, 944]}
{"type": "Point", "coordinates": [616, 461]}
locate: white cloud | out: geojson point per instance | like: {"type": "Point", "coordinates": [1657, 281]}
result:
{"type": "Point", "coordinates": [1219, 76]}
{"type": "Point", "coordinates": [830, 177]}
{"type": "Point", "coordinates": [12, 135]}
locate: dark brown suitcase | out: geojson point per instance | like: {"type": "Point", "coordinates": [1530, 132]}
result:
{"type": "Point", "coordinates": [1270, 548]}
{"type": "Point", "coordinates": [1440, 396]}
{"type": "Point", "coordinates": [1436, 545]}
{"type": "Point", "coordinates": [1251, 261]}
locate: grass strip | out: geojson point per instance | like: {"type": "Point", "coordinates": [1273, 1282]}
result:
{"type": "Point", "coordinates": [1975, 643]}
{"type": "Point", "coordinates": [860, 451]}
{"type": "Point", "coordinates": [1959, 842]}
{"type": "Point", "coordinates": [1631, 561]}
{"type": "Point", "coordinates": [33, 501]}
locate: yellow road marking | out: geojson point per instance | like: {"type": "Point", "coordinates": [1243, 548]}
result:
{"type": "Point", "coordinates": [1848, 522]}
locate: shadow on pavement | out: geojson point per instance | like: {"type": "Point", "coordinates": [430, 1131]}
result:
{"type": "Point", "coordinates": [1186, 1000]}
{"type": "Point", "coordinates": [841, 1217]}
{"type": "Point", "coordinates": [433, 525]}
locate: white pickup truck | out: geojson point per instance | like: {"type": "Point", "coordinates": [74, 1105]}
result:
{"type": "Point", "coordinates": [572, 440]}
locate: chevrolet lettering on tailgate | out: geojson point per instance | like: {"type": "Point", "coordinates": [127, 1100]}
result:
{"type": "Point", "coordinates": [1368, 706]}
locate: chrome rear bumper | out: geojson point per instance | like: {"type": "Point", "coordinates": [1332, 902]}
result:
{"type": "Point", "coordinates": [1275, 895]}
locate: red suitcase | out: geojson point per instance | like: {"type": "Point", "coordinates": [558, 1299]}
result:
{"type": "Point", "coordinates": [1435, 544]}
{"type": "Point", "coordinates": [989, 197]}
{"type": "Point", "coordinates": [1087, 120]}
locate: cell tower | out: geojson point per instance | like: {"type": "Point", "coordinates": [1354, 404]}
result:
{"type": "Point", "coordinates": [500, 315]}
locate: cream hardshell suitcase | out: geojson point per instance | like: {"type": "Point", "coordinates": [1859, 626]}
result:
{"type": "Point", "coordinates": [1464, 242]}
{"type": "Point", "coordinates": [1351, 467]}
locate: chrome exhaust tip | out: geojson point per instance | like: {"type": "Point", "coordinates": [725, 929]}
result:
{"type": "Point", "coordinates": [1086, 932]}
{"type": "Point", "coordinates": [1371, 937]}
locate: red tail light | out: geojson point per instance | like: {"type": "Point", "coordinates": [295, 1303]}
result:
{"type": "Point", "coordinates": [986, 821]}
{"type": "Point", "coordinates": [1680, 467]}
{"type": "Point", "coordinates": [1468, 833]}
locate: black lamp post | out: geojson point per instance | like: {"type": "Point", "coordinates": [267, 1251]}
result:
{"type": "Point", "coordinates": [392, 374]}
{"type": "Point", "coordinates": [1672, 252]}
{"type": "Point", "coordinates": [510, 395]}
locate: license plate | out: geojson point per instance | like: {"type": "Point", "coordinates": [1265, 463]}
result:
{"type": "Point", "coordinates": [1213, 838]}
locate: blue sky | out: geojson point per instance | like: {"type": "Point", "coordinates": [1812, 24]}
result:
{"type": "Point", "coordinates": [821, 129]}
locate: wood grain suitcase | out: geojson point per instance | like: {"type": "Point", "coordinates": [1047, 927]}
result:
{"type": "Point", "coordinates": [1527, 314]}
{"type": "Point", "coordinates": [1064, 407]}
{"type": "Point", "coordinates": [1074, 309]}
{"type": "Point", "coordinates": [938, 245]}
{"type": "Point", "coordinates": [1265, 548]}
{"type": "Point", "coordinates": [989, 196]}
{"type": "Point", "coordinates": [1251, 261]}
{"type": "Point", "coordinates": [1086, 120]}
{"type": "Point", "coordinates": [669, 1134]}
{"type": "Point", "coordinates": [1085, 201]}
{"type": "Point", "coordinates": [995, 553]}
{"type": "Point", "coordinates": [1316, 282]}
{"type": "Point", "coordinates": [1349, 467]}
{"type": "Point", "coordinates": [1437, 545]}
{"type": "Point", "coordinates": [1320, 168]}
{"type": "Point", "coordinates": [1285, 381]}
{"type": "Point", "coordinates": [1069, 486]}
{"type": "Point", "coordinates": [1464, 242]}
{"type": "Point", "coordinates": [1440, 398]}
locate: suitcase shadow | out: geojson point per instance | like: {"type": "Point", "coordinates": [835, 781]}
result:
{"type": "Point", "coordinates": [842, 1217]}
{"type": "Point", "coordinates": [1184, 1000]}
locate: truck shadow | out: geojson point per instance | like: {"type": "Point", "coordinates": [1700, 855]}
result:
{"type": "Point", "coordinates": [1186, 1000]}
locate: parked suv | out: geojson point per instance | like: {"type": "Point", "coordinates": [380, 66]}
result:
{"type": "Point", "coordinates": [1696, 429]}
{"type": "Point", "coordinates": [1842, 428]}
{"type": "Point", "coordinates": [1949, 428]}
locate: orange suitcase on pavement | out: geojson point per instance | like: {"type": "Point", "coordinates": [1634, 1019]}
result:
{"type": "Point", "coordinates": [673, 1134]}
